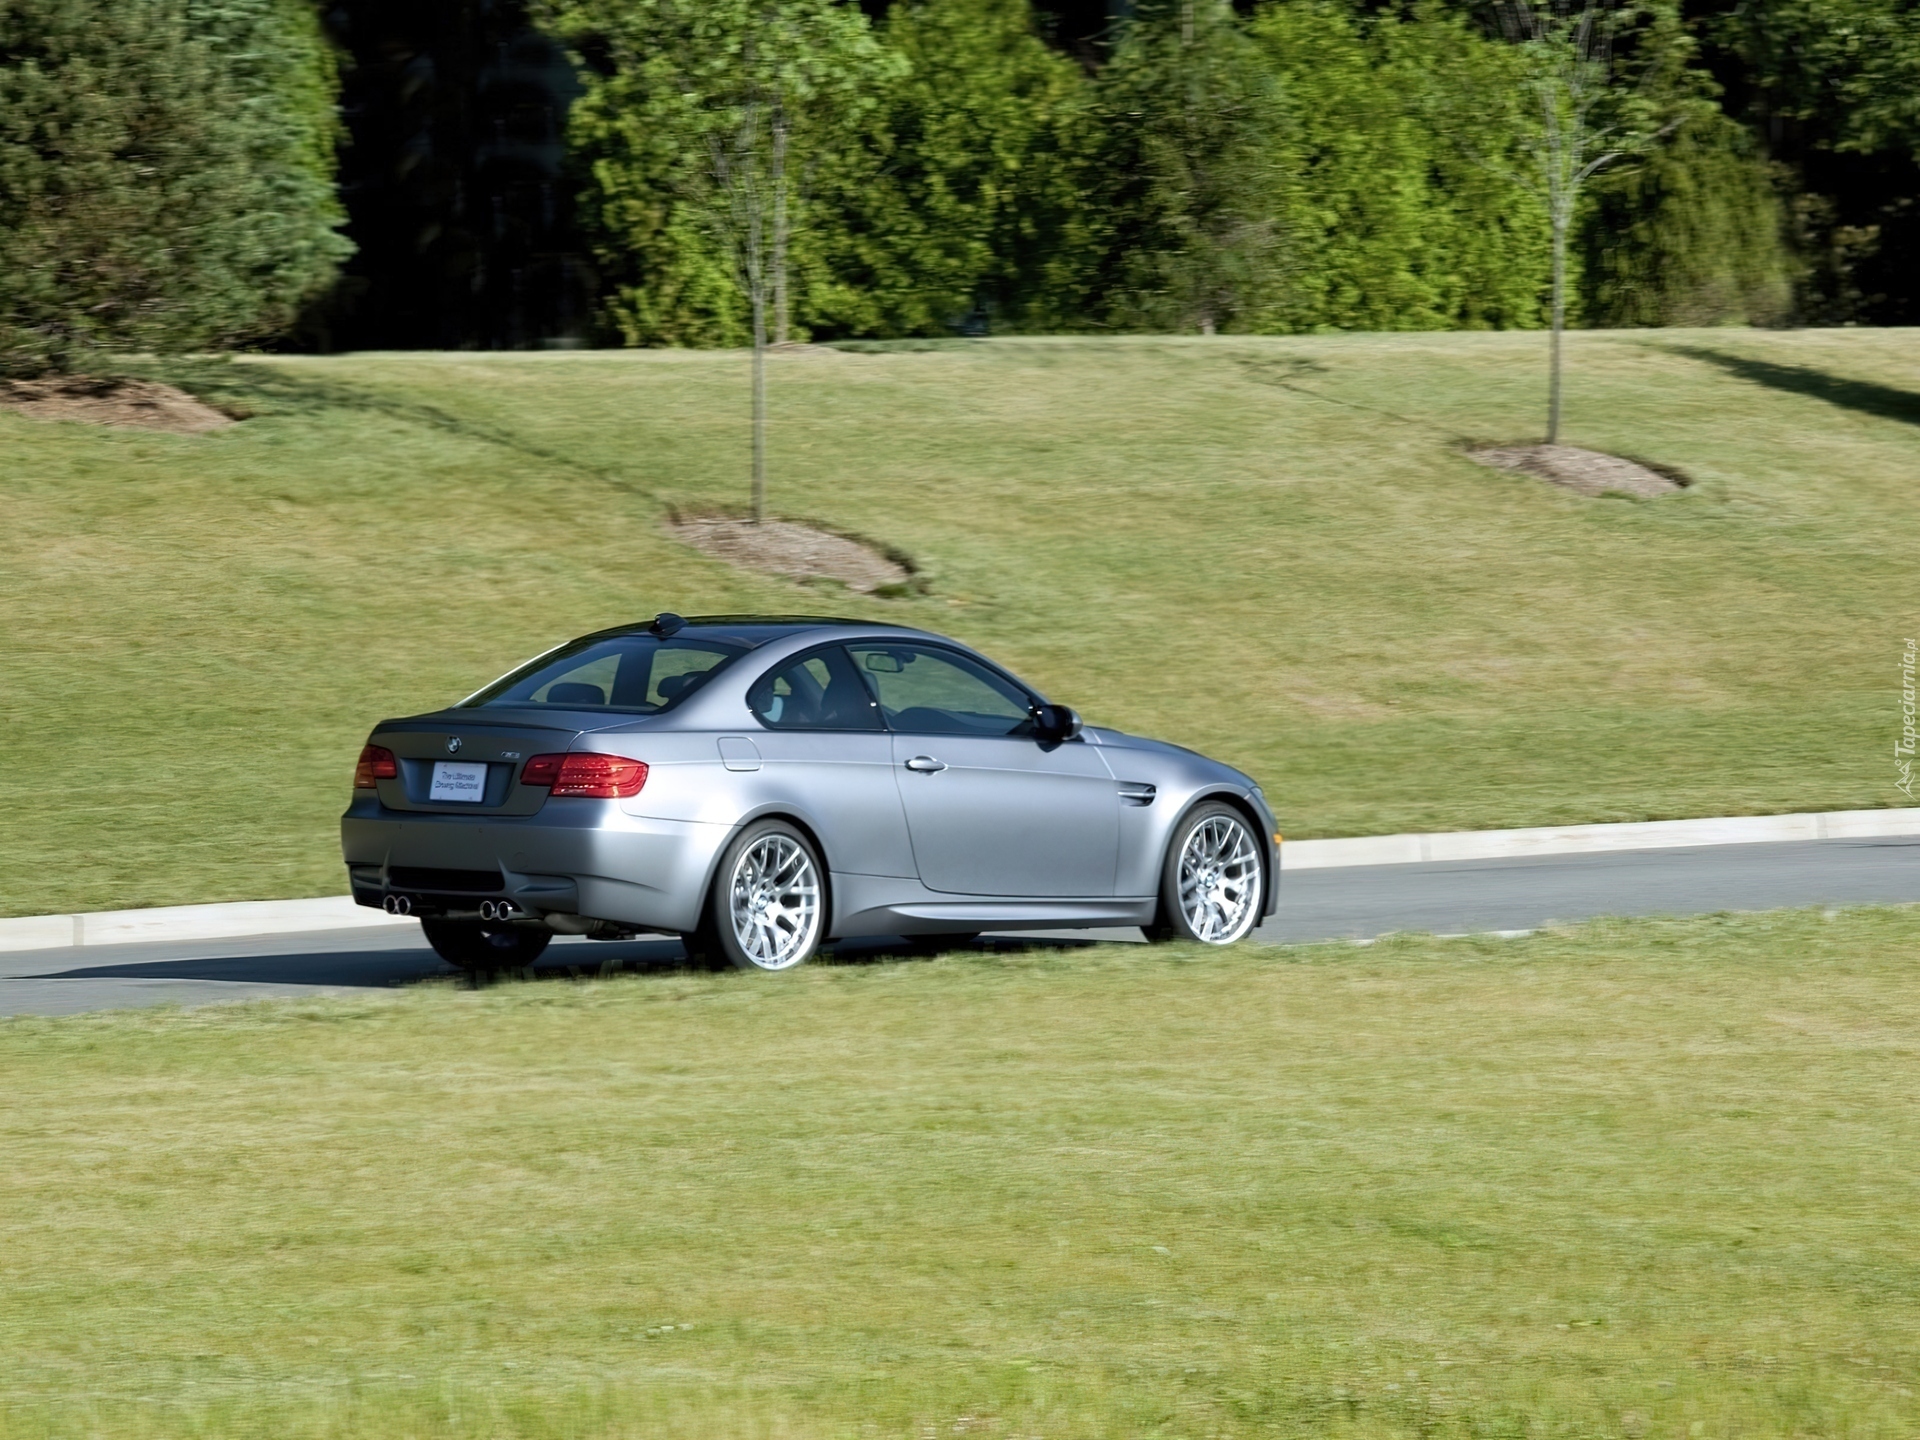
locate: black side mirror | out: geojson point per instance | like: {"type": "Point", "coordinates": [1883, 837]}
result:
{"type": "Point", "coordinates": [1054, 722]}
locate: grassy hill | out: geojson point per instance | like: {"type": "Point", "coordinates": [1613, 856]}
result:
{"type": "Point", "coordinates": [1634, 1179]}
{"type": "Point", "coordinates": [1267, 549]}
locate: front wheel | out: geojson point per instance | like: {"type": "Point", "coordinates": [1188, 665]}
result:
{"type": "Point", "coordinates": [1214, 879]}
{"type": "Point", "coordinates": [767, 911]}
{"type": "Point", "coordinates": [476, 945]}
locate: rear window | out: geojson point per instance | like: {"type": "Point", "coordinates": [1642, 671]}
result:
{"type": "Point", "coordinates": [637, 674]}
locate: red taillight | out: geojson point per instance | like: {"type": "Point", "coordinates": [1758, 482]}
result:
{"type": "Point", "coordinates": [542, 769]}
{"type": "Point", "coordinates": [591, 776]}
{"type": "Point", "coordinates": [376, 764]}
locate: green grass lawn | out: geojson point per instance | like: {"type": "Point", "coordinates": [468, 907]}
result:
{"type": "Point", "coordinates": [1625, 1179]}
{"type": "Point", "coordinates": [1267, 549]}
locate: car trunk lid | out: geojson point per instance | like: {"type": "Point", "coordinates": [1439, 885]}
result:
{"type": "Point", "coordinates": [460, 765]}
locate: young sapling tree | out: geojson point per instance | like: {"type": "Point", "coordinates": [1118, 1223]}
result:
{"type": "Point", "coordinates": [1587, 115]}
{"type": "Point", "coordinates": [740, 99]}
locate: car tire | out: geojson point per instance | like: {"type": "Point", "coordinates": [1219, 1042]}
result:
{"type": "Point", "coordinates": [767, 910]}
{"type": "Point", "coordinates": [476, 945]}
{"type": "Point", "coordinates": [1214, 880]}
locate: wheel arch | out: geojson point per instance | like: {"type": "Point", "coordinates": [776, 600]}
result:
{"type": "Point", "coordinates": [1270, 872]}
{"type": "Point", "coordinates": [787, 815]}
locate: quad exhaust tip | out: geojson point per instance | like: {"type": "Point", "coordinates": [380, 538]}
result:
{"type": "Point", "coordinates": [489, 909]}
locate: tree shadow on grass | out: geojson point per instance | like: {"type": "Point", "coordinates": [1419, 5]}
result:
{"type": "Point", "coordinates": [1868, 397]}
{"type": "Point", "coordinates": [381, 964]}
{"type": "Point", "coordinates": [244, 391]}
{"type": "Point", "coordinates": [1287, 373]}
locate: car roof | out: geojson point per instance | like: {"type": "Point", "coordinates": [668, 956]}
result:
{"type": "Point", "coordinates": [750, 630]}
{"type": "Point", "coordinates": [784, 622]}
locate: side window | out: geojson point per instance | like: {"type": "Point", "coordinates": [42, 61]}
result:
{"type": "Point", "coordinates": [938, 692]}
{"type": "Point", "coordinates": [586, 684]}
{"type": "Point", "coordinates": [820, 691]}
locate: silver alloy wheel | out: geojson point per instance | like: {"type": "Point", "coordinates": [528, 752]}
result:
{"type": "Point", "coordinates": [1220, 880]}
{"type": "Point", "coordinates": [774, 902]}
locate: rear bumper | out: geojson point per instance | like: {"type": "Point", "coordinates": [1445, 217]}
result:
{"type": "Point", "coordinates": [576, 857]}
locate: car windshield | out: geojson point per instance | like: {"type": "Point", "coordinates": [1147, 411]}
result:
{"type": "Point", "coordinates": [640, 674]}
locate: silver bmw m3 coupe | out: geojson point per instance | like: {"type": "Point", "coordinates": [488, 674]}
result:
{"type": "Point", "coordinates": [760, 784]}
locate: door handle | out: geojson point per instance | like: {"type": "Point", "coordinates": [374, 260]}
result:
{"type": "Point", "coordinates": [926, 765]}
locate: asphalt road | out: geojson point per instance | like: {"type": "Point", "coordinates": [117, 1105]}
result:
{"type": "Point", "coordinates": [1357, 902]}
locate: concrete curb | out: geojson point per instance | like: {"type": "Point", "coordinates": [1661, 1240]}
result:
{"type": "Point", "coordinates": [190, 922]}
{"type": "Point", "coordinates": [1596, 839]}
{"type": "Point", "coordinates": [338, 912]}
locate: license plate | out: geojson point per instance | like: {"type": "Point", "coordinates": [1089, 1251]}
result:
{"type": "Point", "coordinates": [455, 780]}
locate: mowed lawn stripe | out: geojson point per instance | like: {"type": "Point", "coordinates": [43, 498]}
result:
{"type": "Point", "coordinates": [1625, 1178]}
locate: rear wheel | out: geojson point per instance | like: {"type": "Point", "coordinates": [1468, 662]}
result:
{"type": "Point", "coordinates": [477, 945]}
{"type": "Point", "coordinates": [768, 909]}
{"type": "Point", "coordinates": [1214, 879]}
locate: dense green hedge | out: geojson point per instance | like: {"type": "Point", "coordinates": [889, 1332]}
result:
{"type": "Point", "coordinates": [166, 174]}
{"type": "Point", "coordinates": [1395, 223]}
{"type": "Point", "coordinates": [1693, 235]}
{"type": "Point", "coordinates": [966, 189]}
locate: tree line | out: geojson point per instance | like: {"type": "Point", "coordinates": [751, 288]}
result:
{"type": "Point", "coordinates": [802, 169]}
{"type": "Point", "coordinates": [1304, 166]}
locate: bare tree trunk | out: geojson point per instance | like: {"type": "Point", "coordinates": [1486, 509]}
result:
{"type": "Point", "coordinates": [1561, 148]}
{"type": "Point", "coordinates": [1559, 327]}
{"type": "Point", "coordinates": [779, 178]}
{"type": "Point", "coordinates": [759, 403]}
{"type": "Point", "coordinates": [756, 278]}
{"type": "Point", "coordinates": [1190, 127]}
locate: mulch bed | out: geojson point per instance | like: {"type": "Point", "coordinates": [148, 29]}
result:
{"type": "Point", "coordinates": [1585, 472]}
{"type": "Point", "coordinates": [790, 549]}
{"type": "Point", "coordinates": [128, 404]}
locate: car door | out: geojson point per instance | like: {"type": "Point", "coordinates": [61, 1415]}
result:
{"type": "Point", "coordinates": [824, 749]}
{"type": "Point", "coordinates": [990, 810]}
